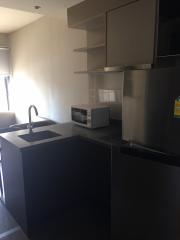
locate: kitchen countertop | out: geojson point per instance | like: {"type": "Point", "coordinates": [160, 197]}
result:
{"type": "Point", "coordinates": [110, 135]}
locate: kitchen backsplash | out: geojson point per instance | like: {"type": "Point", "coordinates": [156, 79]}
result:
{"type": "Point", "coordinates": [107, 88]}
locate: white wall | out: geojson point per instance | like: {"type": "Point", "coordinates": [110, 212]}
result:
{"type": "Point", "coordinates": [107, 88]}
{"type": "Point", "coordinates": [43, 62]}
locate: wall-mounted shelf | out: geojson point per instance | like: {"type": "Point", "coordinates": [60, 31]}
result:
{"type": "Point", "coordinates": [87, 49]}
{"type": "Point", "coordinates": [89, 23]}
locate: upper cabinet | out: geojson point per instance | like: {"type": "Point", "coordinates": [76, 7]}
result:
{"type": "Point", "coordinates": [82, 14]}
{"type": "Point", "coordinates": [131, 34]}
{"type": "Point", "coordinates": [121, 34]}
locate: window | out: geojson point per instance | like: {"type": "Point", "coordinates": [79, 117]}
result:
{"type": "Point", "coordinates": [4, 98]}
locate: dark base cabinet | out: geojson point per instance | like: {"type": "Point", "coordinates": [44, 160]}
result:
{"type": "Point", "coordinates": [80, 189]}
{"type": "Point", "coordinates": [145, 201]}
{"type": "Point", "coordinates": [59, 186]}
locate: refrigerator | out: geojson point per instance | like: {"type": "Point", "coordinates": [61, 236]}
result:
{"type": "Point", "coordinates": [151, 109]}
{"type": "Point", "coordinates": [145, 168]}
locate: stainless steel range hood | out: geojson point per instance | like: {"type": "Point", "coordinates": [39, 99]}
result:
{"type": "Point", "coordinates": [116, 69]}
{"type": "Point", "coordinates": [125, 68]}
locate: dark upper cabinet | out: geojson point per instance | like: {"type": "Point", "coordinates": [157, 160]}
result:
{"type": "Point", "coordinates": [131, 34]}
{"type": "Point", "coordinates": [169, 28]}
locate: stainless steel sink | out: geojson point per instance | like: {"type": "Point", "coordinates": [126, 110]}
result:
{"type": "Point", "coordinates": [38, 136]}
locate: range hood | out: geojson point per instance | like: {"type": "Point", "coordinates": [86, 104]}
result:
{"type": "Point", "coordinates": [125, 68]}
{"type": "Point", "coordinates": [115, 69]}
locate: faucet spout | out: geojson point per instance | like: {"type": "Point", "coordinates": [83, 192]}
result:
{"type": "Point", "coordinates": [30, 125]}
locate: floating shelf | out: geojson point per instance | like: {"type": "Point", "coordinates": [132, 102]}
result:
{"type": "Point", "coordinates": [87, 49]}
{"type": "Point", "coordinates": [91, 23]}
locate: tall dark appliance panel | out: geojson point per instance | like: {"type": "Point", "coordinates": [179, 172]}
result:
{"type": "Point", "coordinates": [169, 28]}
{"type": "Point", "coordinates": [149, 102]}
{"type": "Point", "coordinates": [145, 196]}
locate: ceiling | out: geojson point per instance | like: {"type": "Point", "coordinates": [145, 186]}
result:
{"type": "Point", "coordinates": [15, 14]}
{"type": "Point", "coordinates": [11, 20]}
{"type": "Point", "coordinates": [48, 7]}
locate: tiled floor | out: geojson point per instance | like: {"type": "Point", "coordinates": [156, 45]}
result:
{"type": "Point", "coordinates": [9, 229]}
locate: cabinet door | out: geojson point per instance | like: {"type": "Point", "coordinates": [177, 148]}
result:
{"type": "Point", "coordinates": [67, 181]}
{"type": "Point", "coordinates": [145, 198]}
{"type": "Point", "coordinates": [131, 33]}
{"type": "Point", "coordinates": [90, 201]}
{"type": "Point", "coordinates": [80, 15]}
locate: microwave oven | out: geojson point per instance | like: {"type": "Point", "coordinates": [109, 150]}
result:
{"type": "Point", "coordinates": [90, 116]}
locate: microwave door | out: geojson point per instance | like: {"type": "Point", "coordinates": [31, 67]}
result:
{"type": "Point", "coordinates": [79, 116]}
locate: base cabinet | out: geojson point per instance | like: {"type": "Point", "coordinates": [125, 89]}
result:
{"type": "Point", "coordinates": [62, 181]}
{"type": "Point", "coordinates": [80, 189]}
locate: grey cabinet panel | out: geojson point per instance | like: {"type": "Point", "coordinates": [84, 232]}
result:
{"type": "Point", "coordinates": [131, 33]}
{"type": "Point", "coordinates": [89, 9]}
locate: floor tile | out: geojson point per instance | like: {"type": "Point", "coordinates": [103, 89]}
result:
{"type": "Point", "coordinates": [6, 221]}
{"type": "Point", "coordinates": [18, 235]}
{"type": "Point", "coordinates": [9, 229]}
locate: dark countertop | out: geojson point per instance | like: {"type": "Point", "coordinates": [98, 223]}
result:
{"type": "Point", "coordinates": [149, 154]}
{"type": "Point", "coordinates": [110, 135]}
